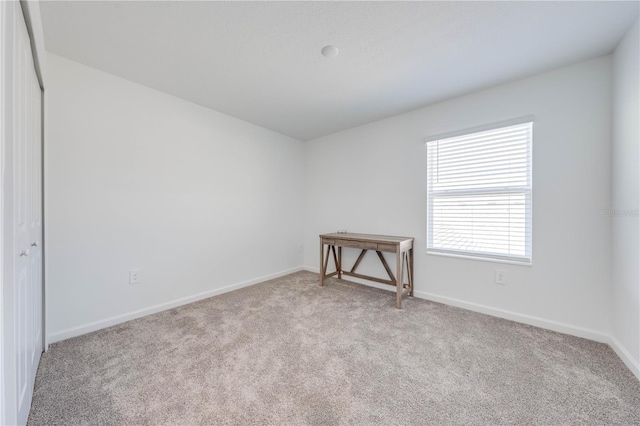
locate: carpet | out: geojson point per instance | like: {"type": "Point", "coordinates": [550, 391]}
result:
{"type": "Point", "coordinates": [287, 351]}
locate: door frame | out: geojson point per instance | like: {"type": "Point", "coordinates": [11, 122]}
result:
{"type": "Point", "coordinates": [7, 9]}
{"type": "Point", "coordinates": [3, 410]}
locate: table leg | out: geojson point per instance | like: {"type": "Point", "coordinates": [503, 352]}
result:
{"type": "Point", "coordinates": [340, 262]}
{"type": "Point", "coordinates": [399, 274]}
{"type": "Point", "coordinates": [321, 263]}
{"type": "Point", "coordinates": [412, 282]}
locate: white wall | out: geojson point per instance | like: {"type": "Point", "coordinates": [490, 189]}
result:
{"type": "Point", "coordinates": [625, 174]}
{"type": "Point", "coordinates": [139, 179]}
{"type": "Point", "coordinates": [372, 179]}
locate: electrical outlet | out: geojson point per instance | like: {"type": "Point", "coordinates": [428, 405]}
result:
{"type": "Point", "coordinates": [135, 276]}
{"type": "Point", "coordinates": [501, 276]}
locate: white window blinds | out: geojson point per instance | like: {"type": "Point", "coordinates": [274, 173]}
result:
{"type": "Point", "coordinates": [479, 194]}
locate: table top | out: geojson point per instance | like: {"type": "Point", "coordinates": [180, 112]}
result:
{"type": "Point", "coordinates": [367, 237]}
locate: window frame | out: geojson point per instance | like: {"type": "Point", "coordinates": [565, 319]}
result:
{"type": "Point", "coordinates": [527, 190]}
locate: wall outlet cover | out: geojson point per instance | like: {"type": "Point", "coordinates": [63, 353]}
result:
{"type": "Point", "coordinates": [135, 276]}
{"type": "Point", "coordinates": [501, 276]}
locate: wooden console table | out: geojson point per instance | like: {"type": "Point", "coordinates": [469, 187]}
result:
{"type": "Point", "coordinates": [401, 246]}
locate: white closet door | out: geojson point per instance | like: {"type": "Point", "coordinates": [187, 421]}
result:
{"type": "Point", "coordinates": [27, 224]}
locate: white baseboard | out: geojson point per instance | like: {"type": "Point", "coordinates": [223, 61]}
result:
{"type": "Point", "coordinates": [597, 336]}
{"type": "Point", "coordinates": [517, 317]}
{"type": "Point", "coordinates": [501, 313]}
{"type": "Point", "coordinates": [625, 356]}
{"type": "Point", "coordinates": [108, 322]}
{"type": "Point", "coordinates": [560, 327]}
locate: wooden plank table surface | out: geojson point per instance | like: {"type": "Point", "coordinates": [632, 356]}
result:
{"type": "Point", "coordinates": [401, 246]}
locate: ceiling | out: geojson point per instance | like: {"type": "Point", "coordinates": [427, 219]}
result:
{"type": "Point", "coordinates": [261, 61]}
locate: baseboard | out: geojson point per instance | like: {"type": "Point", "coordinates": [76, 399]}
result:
{"type": "Point", "coordinates": [501, 313]}
{"type": "Point", "coordinates": [98, 325]}
{"type": "Point", "coordinates": [625, 356]}
{"type": "Point", "coordinates": [560, 327]}
{"type": "Point", "coordinates": [620, 350]}
{"type": "Point", "coordinates": [517, 317]}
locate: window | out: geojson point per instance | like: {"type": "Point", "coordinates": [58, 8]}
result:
{"type": "Point", "coordinates": [479, 193]}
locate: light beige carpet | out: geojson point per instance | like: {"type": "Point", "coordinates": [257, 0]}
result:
{"type": "Point", "coordinates": [289, 352]}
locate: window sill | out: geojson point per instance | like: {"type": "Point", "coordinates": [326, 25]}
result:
{"type": "Point", "coordinates": [479, 258]}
